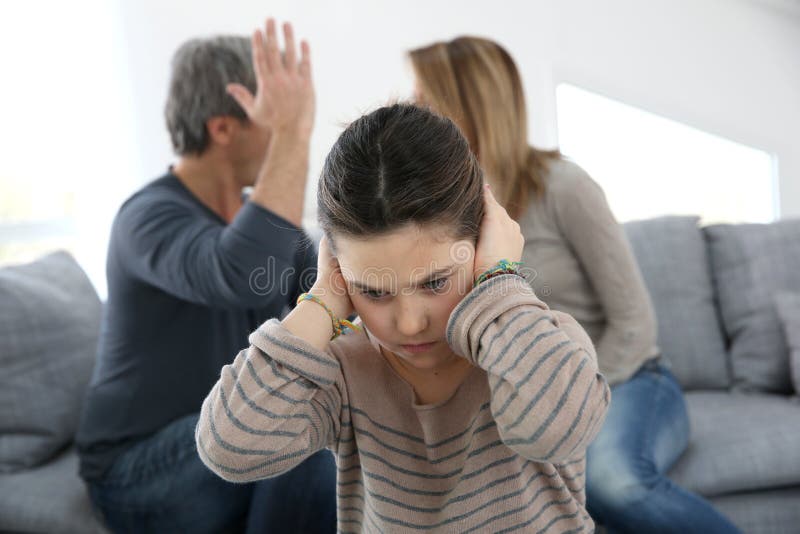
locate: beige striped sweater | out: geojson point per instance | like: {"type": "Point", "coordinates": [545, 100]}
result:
{"type": "Point", "coordinates": [505, 453]}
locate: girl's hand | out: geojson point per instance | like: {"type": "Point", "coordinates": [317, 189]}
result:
{"type": "Point", "coordinates": [500, 237]}
{"type": "Point", "coordinates": [330, 285]}
{"type": "Point", "coordinates": [284, 99]}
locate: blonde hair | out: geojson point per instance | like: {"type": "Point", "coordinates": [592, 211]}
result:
{"type": "Point", "coordinates": [475, 82]}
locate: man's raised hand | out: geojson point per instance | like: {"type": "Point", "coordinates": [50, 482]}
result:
{"type": "Point", "coordinates": [284, 99]}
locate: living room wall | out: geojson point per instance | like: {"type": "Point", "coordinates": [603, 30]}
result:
{"type": "Point", "coordinates": [729, 67]}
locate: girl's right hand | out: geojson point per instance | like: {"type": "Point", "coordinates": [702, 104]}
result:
{"type": "Point", "coordinates": [330, 285]}
{"type": "Point", "coordinates": [500, 236]}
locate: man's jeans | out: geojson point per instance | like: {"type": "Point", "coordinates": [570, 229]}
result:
{"type": "Point", "coordinates": [160, 485]}
{"type": "Point", "coordinates": [645, 432]}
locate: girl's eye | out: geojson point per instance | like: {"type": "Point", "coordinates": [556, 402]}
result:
{"type": "Point", "coordinates": [436, 285]}
{"type": "Point", "coordinates": [372, 294]}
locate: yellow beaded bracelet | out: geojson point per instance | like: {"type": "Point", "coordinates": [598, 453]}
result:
{"type": "Point", "coordinates": [338, 324]}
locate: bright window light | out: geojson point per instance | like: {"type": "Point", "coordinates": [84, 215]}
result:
{"type": "Point", "coordinates": [651, 166]}
{"type": "Point", "coordinates": [67, 159]}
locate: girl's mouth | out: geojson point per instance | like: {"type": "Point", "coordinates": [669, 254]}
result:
{"type": "Point", "coordinates": [415, 349]}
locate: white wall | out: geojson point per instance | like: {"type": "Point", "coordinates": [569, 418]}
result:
{"type": "Point", "coordinates": [730, 67]}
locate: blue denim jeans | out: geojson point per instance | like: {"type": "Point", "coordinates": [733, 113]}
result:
{"type": "Point", "coordinates": [311, 492]}
{"type": "Point", "coordinates": [645, 432]}
{"type": "Point", "coordinates": [160, 485]}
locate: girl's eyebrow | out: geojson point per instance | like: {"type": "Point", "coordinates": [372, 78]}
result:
{"type": "Point", "coordinates": [427, 278]}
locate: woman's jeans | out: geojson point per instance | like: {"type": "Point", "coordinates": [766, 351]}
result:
{"type": "Point", "coordinates": [645, 432]}
{"type": "Point", "coordinates": [161, 485]}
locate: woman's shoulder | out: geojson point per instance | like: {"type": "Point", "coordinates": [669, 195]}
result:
{"type": "Point", "coordinates": [565, 177]}
{"type": "Point", "coordinates": [570, 190]}
{"type": "Point", "coordinates": [566, 187]}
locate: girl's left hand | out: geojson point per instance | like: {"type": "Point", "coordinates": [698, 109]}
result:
{"type": "Point", "coordinates": [500, 236]}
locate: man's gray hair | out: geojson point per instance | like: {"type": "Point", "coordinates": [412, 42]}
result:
{"type": "Point", "coordinates": [201, 69]}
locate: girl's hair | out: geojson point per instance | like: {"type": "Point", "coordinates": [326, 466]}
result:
{"type": "Point", "coordinates": [474, 81]}
{"type": "Point", "coordinates": [398, 165]}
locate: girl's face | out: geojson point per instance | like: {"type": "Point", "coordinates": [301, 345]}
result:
{"type": "Point", "coordinates": [404, 285]}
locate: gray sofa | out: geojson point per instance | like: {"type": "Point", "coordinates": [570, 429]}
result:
{"type": "Point", "coordinates": [715, 291]}
{"type": "Point", "coordinates": [49, 323]}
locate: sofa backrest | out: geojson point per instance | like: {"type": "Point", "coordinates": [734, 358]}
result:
{"type": "Point", "coordinates": [49, 325]}
{"type": "Point", "coordinates": [715, 291]}
{"type": "Point", "coordinates": [672, 256]}
{"type": "Point", "coordinates": [752, 265]}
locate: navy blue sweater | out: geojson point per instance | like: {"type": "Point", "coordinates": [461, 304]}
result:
{"type": "Point", "coordinates": [184, 291]}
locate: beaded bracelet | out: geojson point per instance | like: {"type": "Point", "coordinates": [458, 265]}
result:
{"type": "Point", "coordinates": [501, 267]}
{"type": "Point", "coordinates": [338, 324]}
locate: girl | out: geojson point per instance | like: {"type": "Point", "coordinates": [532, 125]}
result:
{"type": "Point", "coordinates": [583, 265]}
{"type": "Point", "coordinates": [462, 403]}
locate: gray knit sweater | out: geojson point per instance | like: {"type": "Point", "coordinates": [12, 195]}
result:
{"type": "Point", "coordinates": [505, 453]}
{"type": "Point", "coordinates": [579, 261]}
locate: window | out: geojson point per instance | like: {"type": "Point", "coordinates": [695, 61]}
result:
{"type": "Point", "coordinates": [651, 166]}
{"type": "Point", "coordinates": [66, 141]}
{"type": "Point", "coordinates": [33, 221]}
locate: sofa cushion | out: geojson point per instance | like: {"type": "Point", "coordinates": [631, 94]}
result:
{"type": "Point", "coordinates": [762, 512]}
{"type": "Point", "coordinates": [49, 322]}
{"type": "Point", "coordinates": [740, 442]}
{"type": "Point", "coordinates": [788, 306]}
{"type": "Point", "coordinates": [750, 264]}
{"type": "Point", "coordinates": [672, 257]}
{"type": "Point", "coordinates": [48, 498]}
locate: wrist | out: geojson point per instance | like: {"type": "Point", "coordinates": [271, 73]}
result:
{"type": "Point", "coordinates": [291, 133]}
{"type": "Point", "coordinates": [338, 324]}
{"type": "Point", "coordinates": [321, 317]}
{"type": "Point", "coordinates": [332, 298]}
{"type": "Point", "coordinates": [500, 267]}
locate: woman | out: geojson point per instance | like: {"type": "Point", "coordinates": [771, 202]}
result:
{"type": "Point", "coordinates": [462, 403]}
{"type": "Point", "coordinates": [579, 261]}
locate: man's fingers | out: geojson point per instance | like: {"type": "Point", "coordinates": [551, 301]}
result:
{"type": "Point", "coordinates": [305, 60]}
{"type": "Point", "coordinates": [272, 49]}
{"type": "Point", "coordinates": [242, 95]}
{"type": "Point", "coordinates": [290, 54]}
{"type": "Point", "coordinates": [259, 60]}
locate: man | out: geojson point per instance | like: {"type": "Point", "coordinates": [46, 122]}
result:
{"type": "Point", "coordinates": [193, 269]}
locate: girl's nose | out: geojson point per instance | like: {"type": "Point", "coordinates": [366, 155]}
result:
{"type": "Point", "coordinates": [411, 320]}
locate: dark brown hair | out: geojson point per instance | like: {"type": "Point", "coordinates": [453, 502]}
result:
{"type": "Point", "coordinates": [399, 165]}
{"type": "Point", "coordinates": [475, 82]}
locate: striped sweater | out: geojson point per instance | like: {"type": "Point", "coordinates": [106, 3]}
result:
{"type": "Point", "coordinates": [505, 453]}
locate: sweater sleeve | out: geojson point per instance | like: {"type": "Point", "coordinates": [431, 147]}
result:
{"type": "Point", "coordinates": [548, 397]}
{"type": "Point", "coordinates": [276, 405]}
{"type": "Point", "coordinates": [245, 264]}
{"type": "Point", "coordinates": [598, 241]}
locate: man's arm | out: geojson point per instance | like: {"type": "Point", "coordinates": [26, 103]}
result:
{"type": "Point", "coordinates": [242, 265]}
{"type": "Point", "coordinates": [281, 183]}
